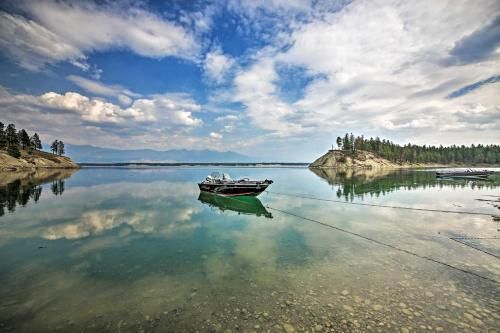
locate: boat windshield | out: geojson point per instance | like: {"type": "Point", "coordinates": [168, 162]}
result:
{"type": "Point", "coordinates": [215, 175]}
{"type": "Point", "coordinates": [226, 176]}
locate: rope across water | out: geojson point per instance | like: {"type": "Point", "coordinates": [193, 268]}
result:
{"type": "Point", "coordinates": [382, 243]}
{"type": "Point", "coordinates": [377, 205]}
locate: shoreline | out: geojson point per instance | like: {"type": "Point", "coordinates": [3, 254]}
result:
{"type": "Point", "coordinates": [34, 160]}
{"type": "Point", "coordinates": [193, 164]}
{"type": "Point", "coordinates": [419, 166]}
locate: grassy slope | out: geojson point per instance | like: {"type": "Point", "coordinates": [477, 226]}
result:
{"type": "Point", "coordinates": [34, 159]}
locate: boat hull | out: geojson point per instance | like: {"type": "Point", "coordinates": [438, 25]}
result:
{"type": "Point", "coordinates": [465, 174]}
{"type": "Point", "coordinates": [234, 189]}
{"type": "Point", "coordinates": [248, 205]}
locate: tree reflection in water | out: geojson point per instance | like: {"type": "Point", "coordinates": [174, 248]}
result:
{"type": "Point", "coordinates": [17, 189]}
{"type": "Point", "coordinates": [375, 182]}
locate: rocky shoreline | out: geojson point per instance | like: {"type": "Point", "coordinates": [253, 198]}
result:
{"type": "Point", "coordinates": [345, 160]}
{"type": "Point", "coordinates": [31, 160]}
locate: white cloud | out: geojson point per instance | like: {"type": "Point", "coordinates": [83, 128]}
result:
{"type": "Point", "coordinates": [256, 88]}
{"type": "Point", "coordinates": [33, 46]}
{"type": "Point", "coordinates": [217, 65]}
{"type": "Point", "coordinates": [96, 87]}
{"type": "Point", "coordinates": [216, 136]}
{"type": "Point", "coordinates": [174, 109]}
{"type": "Point", "coordinates": [167, 109]}
{"type": "Point", "coordinates": [160, 121]}
{"type": "Point", "coordinates": [227, 118]}
{"type": "Point", "coordinates": [63, 31]}
{"type": "Point", "coordinates": [376, 68]}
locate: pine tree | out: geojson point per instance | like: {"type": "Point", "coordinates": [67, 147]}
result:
{"type": "Point", "coordinates": [3, 137]}
{"type": "Point", "coordinates": [339, 142]}
{"type": "Point", "coordinates": [12, 141]}
{"type": "Point", "coordinates": [60, 148]}
{"type": "Point", "coordinates": [24, 139]}
{"type": "Point", "coordinates": [345, 142]}
{"type": "Point", "coordinates": [36, 143]}
{"type": "Point", "coordinates": [423, 154]}
{"type": "Point", "coordinates": [11, 135]}
{"type": "Point", "coordinates": [54, 146]}
{"type": "Point", "coordinates": [13, 151]}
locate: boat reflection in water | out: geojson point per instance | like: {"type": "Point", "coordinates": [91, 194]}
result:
{"type": "Point", "coordinates": [248, 205]}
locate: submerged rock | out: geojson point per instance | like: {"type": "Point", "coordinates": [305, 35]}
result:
{"type": "Point", "coordinates": [288, 328]}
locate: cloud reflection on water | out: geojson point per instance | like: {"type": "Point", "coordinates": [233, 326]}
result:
{"type": "Point", "coordinates": [148, 245]}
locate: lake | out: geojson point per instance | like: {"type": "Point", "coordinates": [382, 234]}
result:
{"type": "Point", "coordinates": [118, 249]}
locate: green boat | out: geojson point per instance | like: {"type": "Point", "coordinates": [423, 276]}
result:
{"type": "Point", "coordinates": [248, 205]}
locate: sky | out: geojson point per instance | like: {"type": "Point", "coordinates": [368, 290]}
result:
{"type": "Point", "coordinates": [273, 79]}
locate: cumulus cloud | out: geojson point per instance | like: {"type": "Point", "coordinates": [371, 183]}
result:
{"type": "Point", "coordinates": [160, 121]}
{"type": "Point", "coordinates": [169, 109]}
{"type": "Point", "coordinates": [256, 88]}
{"type": "Point", "coordinates": [376, 69]}
{"type": "Point", "coordinates": [60, 31]}
{"type": "Point", "coordinates": [217, 65]}
{"type": "Point", "coordinates": [176, 109]}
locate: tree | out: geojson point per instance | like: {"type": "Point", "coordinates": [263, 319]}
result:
{"type": "Point", "coordinates": [11, 135]}
{"type": "Point", "coordinates": [12, 141]}
{"type": "Point", "coordinates": [24, 139]}
{"type": "Point", "coordinates": [60, 148]}
{"type": "Point", "coordinates": [36, 143]}
{"type": "Point", "coordinates": [54, 146]}
{"type": "Point", "coordinates": [345, 142]}
{"type": "Point", "coordinates": [422, 154]}
{"type": "Point", "coordinates": [3, 137]}
{"type": "Point", "coordinates": [339, 142]}
{"type": "Point", "coordinates": [13, 151]}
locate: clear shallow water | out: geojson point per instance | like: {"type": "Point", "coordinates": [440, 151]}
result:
{"type": "Point", "coordinates": [135, 249]}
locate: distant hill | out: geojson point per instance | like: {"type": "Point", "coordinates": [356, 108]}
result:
{"type": "Point", "coordinates": [91, 154]}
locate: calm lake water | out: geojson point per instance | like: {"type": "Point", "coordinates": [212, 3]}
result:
{"type": "Point", "coordinates": [138, 250]}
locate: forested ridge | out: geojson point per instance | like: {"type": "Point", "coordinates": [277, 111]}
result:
{"type": "Point", "coordinates": [411, 153]}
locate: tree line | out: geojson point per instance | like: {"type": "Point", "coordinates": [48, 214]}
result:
{"type": "Point", "coordinates": [410, 153]}
{"type": "Point", "coordinates": [11, 140]}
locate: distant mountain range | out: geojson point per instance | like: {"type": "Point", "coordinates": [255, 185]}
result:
{"type": "Point", "coordinates": [91, 154]}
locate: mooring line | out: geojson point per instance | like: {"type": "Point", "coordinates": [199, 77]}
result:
{"type": "Point", "coordinates": [384, 206]}
{"type": "Point", "coordinates": [386, 245]}
{"type": "Point", "coordinates": [380, 243]}
{"type": "Point", "coordinates": [465, 237]}
{"type": "Point", "coordinates": [475, 248]}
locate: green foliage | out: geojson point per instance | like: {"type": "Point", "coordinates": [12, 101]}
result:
{"type": "Point", "coordinates": [54, 145]}
{"type": "Point", "coordinates": [24, 139]}
{"type": "Point", "coordinates": [11, 139]}
{"type": "Point", "coordinates": [11, 135]}
{"type": "Point", "coordinates": [410, 153]}
{"type": "Point", "coordinates": [339, 142]}
{"type": "Point", "coordinates": [13, 151]}
{"type": "Point", "coordinates": [3, 137]}
{"type": "Point", "coordinates": [35, 142]}
{"type": "Point", "coordinates": [60, 148]}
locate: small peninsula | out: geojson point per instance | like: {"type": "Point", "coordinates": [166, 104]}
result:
{"type": "Point", "coordinates": [361, 153]}
{"type": "Point", "coordinates": [20, 151]}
